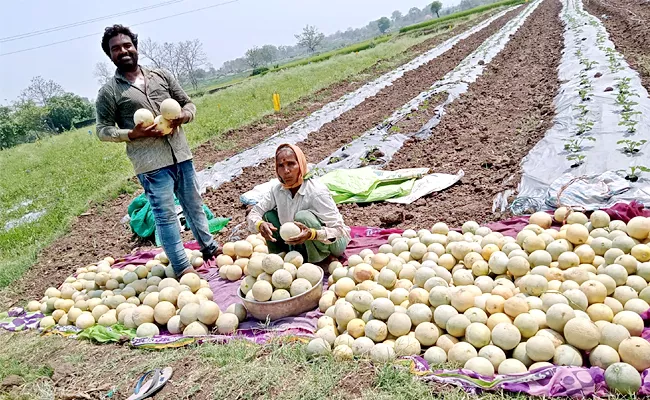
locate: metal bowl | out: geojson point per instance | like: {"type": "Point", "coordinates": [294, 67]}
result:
{"type": "Point", "coordinates": [284, 308]}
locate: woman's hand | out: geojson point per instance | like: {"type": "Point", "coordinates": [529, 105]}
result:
{"type": "Point", "coordinates": [267, 229]}
{"type": "Point", "coordinates": [302, 237]}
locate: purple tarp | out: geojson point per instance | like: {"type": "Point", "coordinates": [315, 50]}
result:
{"type": "Point", "coordinates": [554, 381]}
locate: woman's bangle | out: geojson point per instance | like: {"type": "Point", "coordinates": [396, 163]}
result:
{"type": "Point", "coordinates": [314, 233]}
{"type": "Point", "coordinates": [258, 224]}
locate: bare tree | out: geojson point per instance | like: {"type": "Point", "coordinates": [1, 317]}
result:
{"type": "Point", "coordinates": [254, 57]}
{"type": "Point", "coordinates": [172, 59]}
{"type": "Point", "coordinates": [152, 51]}
{"type": "Point", "coordinates": [164, 56]}
{"type": "Point", "coordinates": [259, 56]}
{"type": "Point", "coordinates": [269, 53]}
{"type": "Point", "coordinates": [103, 72]}
{"type": "Point", "coordinates": [310, 38]}
{"type": "Point", "coordinates": [40, 90]}
{"type": "Point", "coordinates": [191, 57]}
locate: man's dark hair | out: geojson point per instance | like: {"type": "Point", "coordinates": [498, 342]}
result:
{"type": "Point", "coordinates": [112, 31]}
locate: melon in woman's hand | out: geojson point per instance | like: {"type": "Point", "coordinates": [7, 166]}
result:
{"type": "Point", "coordinates": [289, 230]}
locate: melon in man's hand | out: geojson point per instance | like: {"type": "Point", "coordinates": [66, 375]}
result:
{"type": "Point", "coordinates": [162, 124]}
{"type": "Point", "coordinates": [144, 117]}
{"type": "Point", "coordinates": [170, 109]}
{"type": "Point", "coordinates": [289, 230]}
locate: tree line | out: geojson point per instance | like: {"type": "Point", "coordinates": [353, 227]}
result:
{"type": "Point", "coordinates": [43, 108]}
{"type": "Point", "coordinates": [311, 40]}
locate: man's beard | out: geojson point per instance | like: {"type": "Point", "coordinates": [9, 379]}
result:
{"type": "Point", "coordinates": [129, 65]}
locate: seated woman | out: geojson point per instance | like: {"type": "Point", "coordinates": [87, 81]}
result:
{"type": "Point", "coordinates": [308, 203]}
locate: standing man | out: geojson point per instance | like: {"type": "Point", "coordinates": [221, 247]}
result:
{"type": "Point", "coordinates": [163, 163]}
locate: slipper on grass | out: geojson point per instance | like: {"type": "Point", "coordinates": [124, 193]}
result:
{"type": "Point", "coordinates": [158, 379]}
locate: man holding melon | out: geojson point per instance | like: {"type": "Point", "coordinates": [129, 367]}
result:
{"type": "Point", "coordinates": [157, 147]}
{"type": "Point", "coordinates": [299, 212]}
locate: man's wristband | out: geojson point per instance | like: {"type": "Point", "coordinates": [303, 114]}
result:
{"type": "Point", "coordinates": [258, 224]}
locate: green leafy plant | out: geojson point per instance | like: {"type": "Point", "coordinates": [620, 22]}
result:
{"type": "Point", "coordinates": [578, 159]}
{"type": "Point", "coordinates": [575, 145]}
{"type": "Point", "coordinates": [627, 107]}
{"type": "Point", "coordinates": [584, 126]}
{"type": "Point", "coordinates": [582, 109]}
{"type": "Point", "coordinates": [634, 172]}
{"type": "Point", "coordinates": [631, 146]}
{"type": "Point", "coordinates": [589, 64]}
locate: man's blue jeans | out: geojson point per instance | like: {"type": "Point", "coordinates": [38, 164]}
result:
{"type": "Point", "coordinates": [160, 186]}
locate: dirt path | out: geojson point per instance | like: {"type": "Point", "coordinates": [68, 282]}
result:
{"type": "Point", "coordinates": [486, 132]}
{"type": "Point", "coordinates": [98, 233]}
{"type": "Point", "coordinates": [225, 199]}
{"type": "Point", "coordinates": [628, 24]}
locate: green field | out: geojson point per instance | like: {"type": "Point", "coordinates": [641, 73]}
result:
{"type": "Point", "coordinates": [433, 22]}
{"type": "Point", "coordinates": [427, 27]}
{"type": "Point", "coordinates": [63, 174]}
{"type": "Point", "coordinates": [243, 76]}
{"type": "Point", "coordinates": [221, 82]}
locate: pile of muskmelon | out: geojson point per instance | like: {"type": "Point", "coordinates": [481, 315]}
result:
{"type": "Point", "coordinates": [145, 297]}
{"type": "Point", "coordinates": [496, 304]}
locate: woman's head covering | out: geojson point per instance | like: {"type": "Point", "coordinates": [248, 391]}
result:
{"type": "Point", "coordinates": [302, 163]}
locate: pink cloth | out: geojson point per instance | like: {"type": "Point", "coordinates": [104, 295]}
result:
{"type": "Point", "coordinates": [620, 211]}
{"type": "Point", "coordinates": [367, 238]}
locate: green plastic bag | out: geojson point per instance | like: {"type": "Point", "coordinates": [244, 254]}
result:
{"type": "Point", "coordinates": [142, 220]}
{"type": "Point", "coordinates": [143, 223]}
{"type": "Point", "coordinates": [102, 334]}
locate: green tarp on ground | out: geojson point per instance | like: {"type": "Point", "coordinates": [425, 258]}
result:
{"type": "Point", "coordinates": [365, 185]}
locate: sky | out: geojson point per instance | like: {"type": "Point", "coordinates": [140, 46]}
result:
{"type": "Point", "coordinates": [226, 31]}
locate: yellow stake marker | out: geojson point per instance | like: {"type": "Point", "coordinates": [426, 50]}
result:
{"type": "Point", "coordinates": [276, 102]}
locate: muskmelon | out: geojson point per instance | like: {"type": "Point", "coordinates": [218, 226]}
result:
{"type": "Point", "coordinates": [636, 352]}
{"type": "Point", "coordinates": [480, 365]}
{"type": "Point", "coordinates": [461, 352]}
{"type": "Point", "coordinates": [623, 378]}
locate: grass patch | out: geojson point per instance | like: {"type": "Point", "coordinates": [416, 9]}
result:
{"type": "Point", "coordinates": [63, 174]}
{"type": "Point", "coordinates": [355, 48]}
{"type": "Point", "coordinates": [236, 370]}
{"type": "Point", "coordinates": [212, 85]}
{"type": "Point", "coordinates": [432, 22]}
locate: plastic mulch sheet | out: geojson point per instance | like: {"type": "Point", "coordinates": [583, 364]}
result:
{"type": "Point", "coordinates": [581, 160]}
{"type": "Point", "coordinates": [381, 140]}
